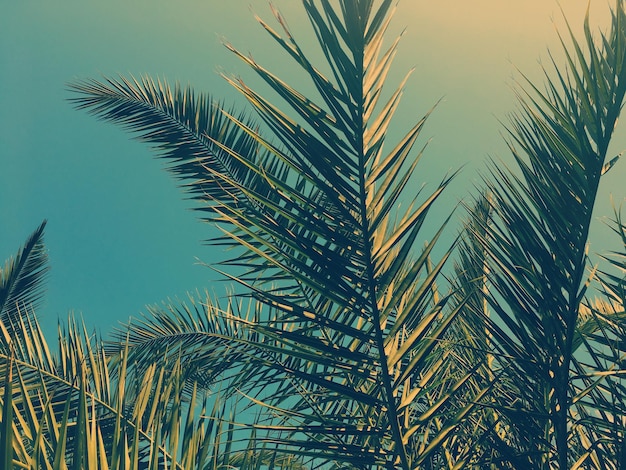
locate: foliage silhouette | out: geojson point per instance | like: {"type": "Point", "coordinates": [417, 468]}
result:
{"type": "Point", "coordinates": [352, 345]}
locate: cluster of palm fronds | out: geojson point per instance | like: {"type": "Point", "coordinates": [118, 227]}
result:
{"type": "Point", "coordinates": [353, 344]}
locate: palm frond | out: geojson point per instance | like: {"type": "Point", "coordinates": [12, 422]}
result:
{"type": "Point", "coordinates": [375, 252]}
{"type": "Point", "coordinates": [210, 342]}
{"type": "Point", "coordinates": [138, 421]}
{"type": "Point", "coordinates": [536, 238]}
{"type": "Point", "coordinates": [21, 285]}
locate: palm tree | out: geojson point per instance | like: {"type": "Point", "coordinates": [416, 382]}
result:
{"type": "Point", "coordinates": [351, 344]}
{"type": "Point", "coordinates": [558, 350]}
{"type": "Point", "coordinates": [351, 315]}
{"type": "Point", "coordinates": [349, 332]}
{"type": "Point", "coordinates": [85, 407]}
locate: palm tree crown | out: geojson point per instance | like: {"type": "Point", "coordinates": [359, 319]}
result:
{"type": "Point", "coordinates": [352, 345]}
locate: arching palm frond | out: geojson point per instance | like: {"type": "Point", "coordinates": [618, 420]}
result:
{"type": "Point", "coordinates": [21, 286]}
{"type": "Point", "coordinates": [210, 342]}
{"type": "Point", "coordinates": [352, 319]}
{"type": "Point", "coordinates": [536, 245]}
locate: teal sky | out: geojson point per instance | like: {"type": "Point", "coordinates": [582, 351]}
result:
{"type": "Point", "coordinates": [120, 234]}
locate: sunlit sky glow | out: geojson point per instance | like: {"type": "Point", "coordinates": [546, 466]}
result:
{"type": "Point", "coordinates": [120, 234]}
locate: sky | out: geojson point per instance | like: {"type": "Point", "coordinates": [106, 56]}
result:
{"type": "Point", "coordinates": [120, 234]}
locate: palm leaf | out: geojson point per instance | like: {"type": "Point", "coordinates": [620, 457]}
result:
{"type": "Point", "coordinates": [83, 407]}
{"type": "Point", "coordinates": [535, 240]}
{"type": "Point", "coordinates": [21, 284]}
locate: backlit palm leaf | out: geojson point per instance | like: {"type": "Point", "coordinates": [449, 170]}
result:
{"type": "Point", "coordinates": [21, 286]}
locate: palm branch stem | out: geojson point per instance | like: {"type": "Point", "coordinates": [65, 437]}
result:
{"type": "Point", "coordinates": [380, 340]}
{"type": "Point", "coordinates": [393, 417]}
